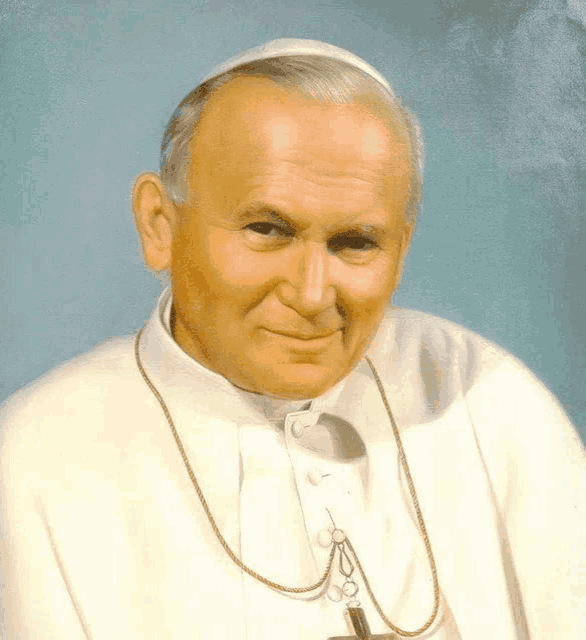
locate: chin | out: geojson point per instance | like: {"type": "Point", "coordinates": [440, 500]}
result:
{"type": "Point", "coordinates": [300, 381]}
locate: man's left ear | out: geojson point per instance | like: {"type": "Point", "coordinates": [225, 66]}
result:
{"type": "Point", "coordinates": [154, 215]}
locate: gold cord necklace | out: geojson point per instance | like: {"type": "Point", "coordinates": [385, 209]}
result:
{"type": "Point", "coordinates": [340, 542]}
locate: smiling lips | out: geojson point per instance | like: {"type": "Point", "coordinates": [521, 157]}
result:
{"type": "Point", "coordinates": [305, 341]}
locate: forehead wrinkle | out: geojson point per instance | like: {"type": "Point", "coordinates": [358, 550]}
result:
{"type": "Point", "coordinates": [328, 177]}
{"type": "Point", "coordinates": [323, 199]}
{"type": "Point", "coordinates": [389, 184]}
{"type": "Point", "coordinates": [324, 168]}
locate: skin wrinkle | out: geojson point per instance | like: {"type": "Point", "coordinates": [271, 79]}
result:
{"type": "Point", "coordinates": [323, 173]}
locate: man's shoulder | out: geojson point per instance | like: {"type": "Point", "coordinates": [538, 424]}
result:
{"type": "Point", "coordinates": [73, 390]}
{"type": "Point", "coordinates": [440, 362]}
{"type": "Point", "coordinates": [112, 358]}
{"type": "Point", "coordinates": [417, 340]}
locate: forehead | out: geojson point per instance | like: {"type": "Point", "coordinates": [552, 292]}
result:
{"type": "Point", "coordinates": [258, 108]}
{"type": "Point", "coordinates": [257, 132]}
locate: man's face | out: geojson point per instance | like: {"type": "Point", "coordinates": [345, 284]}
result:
{"type": "Point", "coordinates": [290, 244]}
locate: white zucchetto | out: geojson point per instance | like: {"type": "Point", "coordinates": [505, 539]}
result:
{"type": "Point", "coordinates": [297, 47]}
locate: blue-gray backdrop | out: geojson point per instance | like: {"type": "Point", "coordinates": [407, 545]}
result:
{"type": "Point", "coordinates": [86, 89]}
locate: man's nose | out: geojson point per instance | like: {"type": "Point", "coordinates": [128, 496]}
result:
{"type": "Point", "coordinates": [308, 288]}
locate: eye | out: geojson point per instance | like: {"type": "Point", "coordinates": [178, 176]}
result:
{"type": "Point", "coordinates": [267, 236]}
{"type": "Point", "coordinates": [268, 229]}
{"type": "Point", "coordinates": [351, 242]}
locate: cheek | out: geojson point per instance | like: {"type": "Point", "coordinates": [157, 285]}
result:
{"type": "Point", "coordinates": [211, 259]}
{"type": "Point", "coordinates": [367, 290]}
{"type": "Point", "coordinates": [235, 276]}
{"type": "Point", "coordinates": [237, 268]}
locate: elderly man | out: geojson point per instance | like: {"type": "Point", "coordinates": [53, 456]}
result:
{"type": "Point", "coordinates": [279, 454]}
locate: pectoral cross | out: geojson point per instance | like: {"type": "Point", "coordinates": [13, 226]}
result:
{"type": "Point", "coordinates": [361, 628]}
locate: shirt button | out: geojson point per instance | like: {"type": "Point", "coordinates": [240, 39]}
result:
{"type": "Point", "coordinates": [297, 429]}
{"type": "Point", "coordinates": [324, 538]}
{"type": "Point", "coordinates": [314, 476]}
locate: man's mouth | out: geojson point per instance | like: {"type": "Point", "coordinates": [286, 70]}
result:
{"type": "Point", "coordinates": [303, 336]}
{"type": "Point", "coordinates": [304, 343]}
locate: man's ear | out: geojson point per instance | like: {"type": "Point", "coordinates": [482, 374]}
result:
{"type": "Point", "coordinates": [155, 217]}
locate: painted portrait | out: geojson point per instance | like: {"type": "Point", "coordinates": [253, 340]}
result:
{"type": "Point", "coordinates": [294, 319]}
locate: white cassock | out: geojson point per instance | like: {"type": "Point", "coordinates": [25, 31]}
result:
{"type": "Point", "coordinates": [104, 537]}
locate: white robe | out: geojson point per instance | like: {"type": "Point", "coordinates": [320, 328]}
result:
{"type": "Point", "coordinates": [104, 537]}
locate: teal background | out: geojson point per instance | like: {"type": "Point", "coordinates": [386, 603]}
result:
{"type": "Point", "coordinates": [87, 87]}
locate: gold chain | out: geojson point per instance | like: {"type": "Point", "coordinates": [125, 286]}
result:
{"type": "Point", "coordinates": [420, 521]}
{"type": "Point", "coordinates": [335, 546]}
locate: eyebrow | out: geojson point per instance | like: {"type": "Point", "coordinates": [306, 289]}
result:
{"type": "Point", "coordinates": [256, 209]}
{"type": "Point", "coordinates": [372, 231]}
{"type": "Point", "coordinates": [252, 211]}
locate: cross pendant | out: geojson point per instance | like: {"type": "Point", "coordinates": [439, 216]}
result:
{"type": "Point", "coordinates": [361, 628]}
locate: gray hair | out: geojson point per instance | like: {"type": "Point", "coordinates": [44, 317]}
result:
{"type": "Point", "coordinates": [325, 79]}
